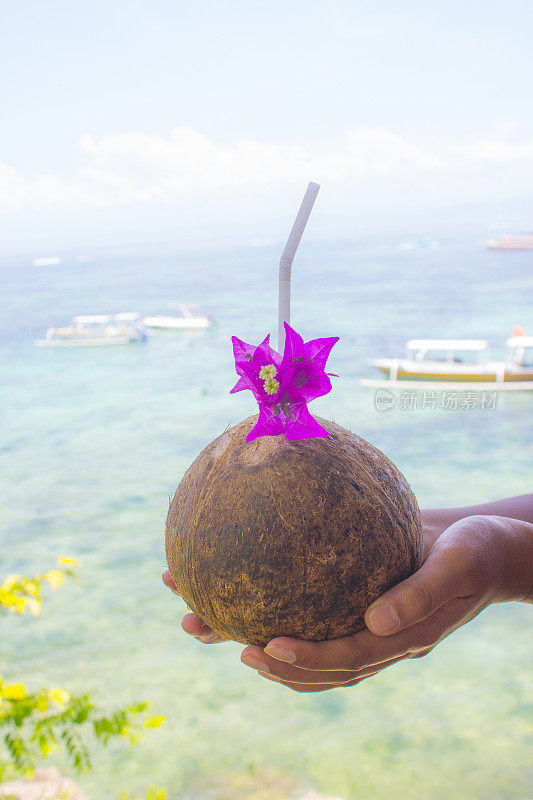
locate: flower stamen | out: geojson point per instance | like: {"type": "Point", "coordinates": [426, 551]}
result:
{"type": "Point", "coordinates": [271, 386]}
{"type": "Point", "coordinates": [268, 371]}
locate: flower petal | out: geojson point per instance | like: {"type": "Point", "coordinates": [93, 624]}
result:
{"type": "Point", "coordinates": [275, 357]}
{"type": "Point", "coordinates": [307, 382]}
{"type": "Point", "coordinates": [251, 382]}
{"type": "Point", "coordinates": [301, 425]}
{"type": "Point", "coordinates": [240, 386]}
{"type": "Point", "coordinates": [262, 355]}
{"type": "Point", "coordinates": [294, 344]}
{"type": "Point", "coordinates": [318, 350]}
{"type": "Point", "coordinates": [268, 424]}
{"type": "Point", "coordinates": [301, 377]}
{"type": "Point", "coordinates": [241, 350]}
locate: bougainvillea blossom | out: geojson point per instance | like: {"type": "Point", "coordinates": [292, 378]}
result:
{"type": "Point", "coordinates": [284, 385]}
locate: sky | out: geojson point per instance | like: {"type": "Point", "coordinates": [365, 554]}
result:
{"type": "Point", "coordinates": [201, 122]}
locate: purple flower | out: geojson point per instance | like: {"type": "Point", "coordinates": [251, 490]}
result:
{"type": "Point", "coordinates": [283, 386]}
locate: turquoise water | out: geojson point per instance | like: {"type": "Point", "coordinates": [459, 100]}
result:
{"type": "Point", "coordinates": [93, 442]}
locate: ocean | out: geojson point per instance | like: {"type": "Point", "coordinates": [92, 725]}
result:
{"type": "Point", "coordinates": [93, 442]}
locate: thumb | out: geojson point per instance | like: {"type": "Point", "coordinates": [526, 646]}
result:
{"type": "Point", "coordinates": [414, 599]}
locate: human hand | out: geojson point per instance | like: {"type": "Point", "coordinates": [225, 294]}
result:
{"type": "Point", "coordinates": [194, 625]}
{"type": "Point", "coordinates": [477, 561]}
{"type": "Point", "coordinates": [191, 623]}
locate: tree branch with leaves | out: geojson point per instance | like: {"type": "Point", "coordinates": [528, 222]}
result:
{"type": "Point", "coordinates": [33, 725]}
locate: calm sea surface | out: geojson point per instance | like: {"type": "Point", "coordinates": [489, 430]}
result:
{"type": "Point", "coordinates": [93, 442]}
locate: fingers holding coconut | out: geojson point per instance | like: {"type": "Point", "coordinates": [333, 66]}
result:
{"type": "Point", "coordinates": [405, 622]}
{"type": "Point", "coordinates": [348, 654]}
{"type": "Point", "coordinates": [436, 582]}
{"type": "Point", "coordinates": [316, 687]}
{"type": "Point", "coordinates": [255, 658]}
{"type": "Point", "coordinates": [194, 626]}
{"type": "Point", "coordinates": [414, 642]}
{"type": "Point", "coordinates": [453, 576]}
{"type": "Point", "coordinates": [300, 687]}
{"type": "Point", "coordinates": [307, 687]}
{"type": "Point", "coordinates": [191, 623]}
{"type": "Point", "coordinates": [465, 570]}
{"type": "Point", "coordinates": [168, 580]}
{"type": "Point", "coordinates": [363, 653]}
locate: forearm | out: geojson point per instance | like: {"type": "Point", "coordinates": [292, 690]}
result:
{"type": "Point", "coordinates": [508, 566]}
{"type": "Point", "coordinates": [525, 566]}
{"type": "Point", "coordinates": [520, 507]}
{"type": "Point", "coordinates": [436, 520]}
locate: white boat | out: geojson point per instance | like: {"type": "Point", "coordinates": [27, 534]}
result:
{"type": "Point", "coordinates": [188, 317]}
{"type": "Point", "coordinates": [96, 330]}
{"type": "Point", "coordinates": [463, 362]}
{"type": "Point", "coordinates": [47, 261]}
{"type": "Point", "coordinates": [521, 241]}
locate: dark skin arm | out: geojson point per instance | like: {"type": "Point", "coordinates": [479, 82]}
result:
{"type": "Point", "coordinates": [436, 520]}
{"type": "Point", "coordinates": [473, 557]}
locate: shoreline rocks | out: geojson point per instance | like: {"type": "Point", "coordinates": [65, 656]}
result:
{"type": "Point", "coordinates": [46, 784]}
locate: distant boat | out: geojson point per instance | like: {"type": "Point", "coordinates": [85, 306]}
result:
{"type": "Point", "coordinates": [424, 243]}
{"type": "Point", "coordinates": [463, 362]}
{"type": "Point", "coordinates": [188, 317]}
{"type": "Point", "coordinates": [521, 241]}
{"type": "Point", "coordinates": [96, 330]}
{"type": "Point", "coordinates": [49, 261]}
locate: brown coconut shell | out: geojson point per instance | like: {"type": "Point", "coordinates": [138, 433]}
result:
{"type": "Point", "coordinates": [290, 538]}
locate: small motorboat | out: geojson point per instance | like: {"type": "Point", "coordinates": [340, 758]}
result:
{"type": "Point", "coordinates": [188, 316]}
{"type": "Point", "coordinates": [520, 241]}
{"type": "Point", "coordinates": [466, 362]}
{"type": "Point", "coordinates": [96, 330]}
{"type": "Point", "coordinates": [46, 261]}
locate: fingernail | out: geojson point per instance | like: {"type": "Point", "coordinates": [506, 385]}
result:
{"type": "Point", "coordinates": [268, 675]}
{"type": "Point", "coordinates": [280, 653]}
{"type": "Point", "coordinates": [255, 663]}
{"type": "Point", "coordinates": [382, 618]}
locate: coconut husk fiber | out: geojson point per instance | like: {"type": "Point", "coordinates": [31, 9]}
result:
{"type": "Point", "coordinates": [290, 538]}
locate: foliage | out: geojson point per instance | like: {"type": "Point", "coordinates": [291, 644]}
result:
{"type": "Point", "coordinates": [153, 793]}
{"type": "Point", "coordinates": [19, 594]}
{"type": "Point", "coordinates": [34, 725]}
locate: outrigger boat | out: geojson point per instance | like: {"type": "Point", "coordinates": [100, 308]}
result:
{"type": "Point", "coordinates": [521, 241]}
{"type": "Point", "coordinates": [188, 317]}
{"type": "Point", "coordinates": [465, 362]}
{"type": "Point", "coordinates": [96, 330]}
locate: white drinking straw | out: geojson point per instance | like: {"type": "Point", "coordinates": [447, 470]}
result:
{"type": "Point", "coordinates": [285, 262]}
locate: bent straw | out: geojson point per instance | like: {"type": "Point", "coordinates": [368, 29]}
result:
{"type": "Point", "coordinates": [285, 262]}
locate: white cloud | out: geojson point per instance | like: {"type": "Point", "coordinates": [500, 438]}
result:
{"type": "Point", "coordinates": [188, 161]}
{"type": "Point", "coordinates": [42, 191]}
{"type": "Point", "coordinates": [146, 168]}
{"type": "Point", "coordinates": [496, 151]}
{"type": "Point", "coordinates": [378, 150]}
{"type": "Point", "coordinates": [133, 168]}
{"type": "Point", "coordinates": [12, 188]}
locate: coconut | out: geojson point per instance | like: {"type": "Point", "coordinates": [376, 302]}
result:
{"type": "Point", "coordinates": [290, 538]}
